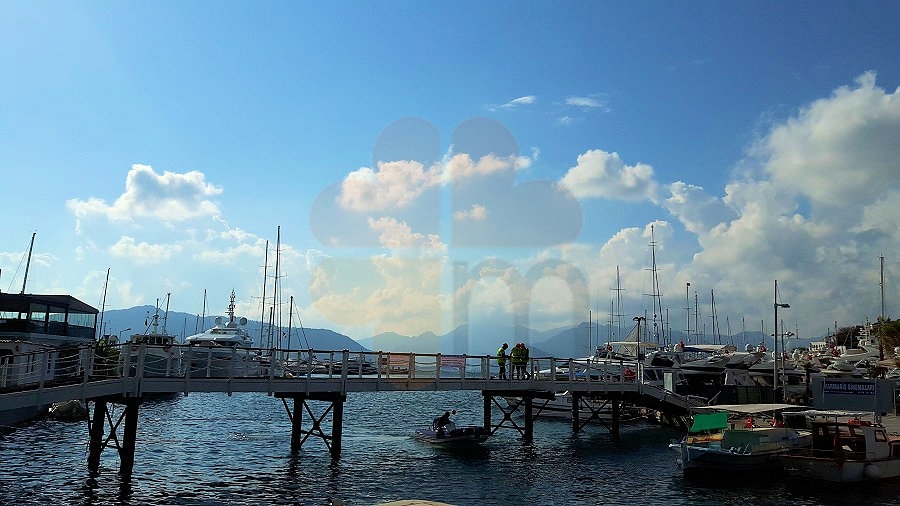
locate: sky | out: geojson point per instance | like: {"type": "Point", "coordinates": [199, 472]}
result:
{"type": "Point", "coordinates": [401, 166]}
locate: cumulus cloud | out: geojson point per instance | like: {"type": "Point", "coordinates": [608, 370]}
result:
{"type": "Point", "coordinates": [584, 102]}
{"type": "Point", "coordinates": [476, 212]}
{"type": "Point", "coordinates": [397, 235]}
{"type": "Point", "coordinates": [599, 174]}
{"type": "Point", "coordinates": [144, 252]}
{"type": "Point", "coordinates": [838, 149]}
{"type": "Point", "coordinates": [392, 185]}
{"type": "Point", "coordinates": [170, 197]}
{"type": "Point", "coordinates": [517, 102]}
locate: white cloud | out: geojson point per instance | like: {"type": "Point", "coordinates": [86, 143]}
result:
{"type": "Point", "coordinates": [584, 102]}
{"type": "Point", "coordinates": [526, 100]}
{"type": "Point", "coordinates": [397, 235]}
{"type": "Point", "coordinates": [143, 252]}
{"type": "Point", "coordinates": [461, 167]}
{"type": "Point", "coordinates": [844, 147]}
{"type": "Point", "coordinates": [393, 185]}
{"type": "Point", "coordinates": [600, 174]}
{"type": "Point", "coordinates": [170, 197]}
{"type": "Point", "coordinates": [476, 213]}
{"type": "Point", "coordinates": [564, 120]}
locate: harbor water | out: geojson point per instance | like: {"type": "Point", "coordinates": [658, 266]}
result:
{"type": "Point", "coordinates": [212, 449]}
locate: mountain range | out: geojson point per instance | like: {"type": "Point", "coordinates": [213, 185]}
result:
{"type": "Point", "coordinates": [570, 341]}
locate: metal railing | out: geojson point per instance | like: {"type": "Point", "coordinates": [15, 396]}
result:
{"type": "Point", "coordinates": [133, 364]}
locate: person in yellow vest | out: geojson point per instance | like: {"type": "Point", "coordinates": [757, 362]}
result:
{"type": "Point", "coordinates": [501, 360]}
{"type": "Point", "coordinates": [525, 362]}
{"type": "Point", "coordinates": [518, 363]}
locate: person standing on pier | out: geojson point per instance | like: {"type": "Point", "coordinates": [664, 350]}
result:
{"type": "Point", "coordinates": [525, 362]}
{"type": "Point", "coordinates": [517, 358]}
{"type": "Point", "coordinates": [501, 360]}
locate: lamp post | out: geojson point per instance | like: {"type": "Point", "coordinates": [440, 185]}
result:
{"type": "Point", "coordinates": [775, 353]}
{"type": "Point", "coordinates": [120, 334]}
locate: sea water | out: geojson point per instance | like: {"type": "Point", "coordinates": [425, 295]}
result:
{"type": "Point", "coordinates": [212, 449]}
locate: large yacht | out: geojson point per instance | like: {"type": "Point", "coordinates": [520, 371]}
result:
{"type": "Point", "coordinates": [225, 350]}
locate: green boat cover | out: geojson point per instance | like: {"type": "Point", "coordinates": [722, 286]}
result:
{"type": "Point", "coordinates": [709, 421]}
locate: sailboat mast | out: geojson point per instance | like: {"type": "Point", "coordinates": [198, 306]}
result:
{"type": "Point", "coordinates": [276, 306]}
{"type": "Point", "coordinates": [882, 287]}
{"type": "Point", "coordinates": [655, 295]}
{"type": "Point", "coordinates": [687, 309]}
{"type": "Point", "coordinates": [166, 314]}
{"type": "Point", "coordinates": [28, 262]}
{"type": "Point", "coordinates": [103, 305]}
{"type": "Point", "coordinates": [618, 313]}
{"type": "Point", "coordinates": [262, 316]}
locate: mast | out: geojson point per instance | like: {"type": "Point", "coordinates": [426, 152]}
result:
{"type": "Point", "coordinates": [102, 306]}
{"type": "Point", "coordinates": [204, 309]}
{"type": "Point", "coordinates": [28, 264]}
{"type": "Point", "coordinates": [618, 314]}
{"type": "Point", "coordinates": [276, 306]}
{"type": "Point", "coordinates": [290, 322]}
{"type": "Point", "coordinates": [166, 314]}
{"type": "Point", "coordinates": [655, 295]}
{"type": "Point", "coordinates": [262, 316]}
{"type": "Point", "coordinates": [687, 309]}
{"type": "Point", "coordinates": [882, 286]}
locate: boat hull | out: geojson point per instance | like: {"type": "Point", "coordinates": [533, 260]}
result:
{"type": "Point", "coordinates": [218, 364]}
{"type": "Point", "coordinates": [837, 471]}
{"type": "Point", "coordinates": [459, 437]}
{"type": "Point", "coordinates": [695, 460]}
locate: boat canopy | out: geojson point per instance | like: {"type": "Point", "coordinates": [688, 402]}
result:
{"type": "Point", "coordinates": [642, 344]}
{"type": "Point", "coordinates": [709, 421]}
{"type": "Point", "coordinates": [751, 409]}
{"type": "Point", "coordinates": [710, 348]}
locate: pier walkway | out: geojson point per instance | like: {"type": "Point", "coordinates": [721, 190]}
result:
{"type": "Point", "coordinates": [126, 374]}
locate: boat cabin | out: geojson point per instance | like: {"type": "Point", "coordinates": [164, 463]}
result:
{"type": "Point", "coordinates": [854, 439]}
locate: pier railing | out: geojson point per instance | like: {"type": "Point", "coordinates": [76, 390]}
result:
{"type": "Point", "coordinates": [134, 369]}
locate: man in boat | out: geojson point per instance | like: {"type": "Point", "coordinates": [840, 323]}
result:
{"type": "Point", "coordinates": [501, 360]}
{"type": "Point", "coordinates": [443, 420]}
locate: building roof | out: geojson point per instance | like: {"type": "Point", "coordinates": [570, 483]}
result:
{"type": "Point", "coordinates": [23, 302]}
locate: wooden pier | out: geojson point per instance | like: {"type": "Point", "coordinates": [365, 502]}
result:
{"type": "Point", "coordinates": [103, 383]}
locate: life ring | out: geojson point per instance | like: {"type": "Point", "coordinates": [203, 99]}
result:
{"type": "Point", "coordinates": [608, 347]}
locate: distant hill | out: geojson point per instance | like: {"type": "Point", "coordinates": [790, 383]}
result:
{"type": "Point", "coordinates": [138, 320]}
{"type": "Point", "coordinates": [569, 341]}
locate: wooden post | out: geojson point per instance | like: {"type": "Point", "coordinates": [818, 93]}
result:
{"type": "Point", "coordinates": [337, 425]}
{"type": "Point", "coordinates": [129, 437]}
{"type": "Point", "coordinates": [95, 446]}
{"type": "Point", "coordinates": [576, 408]}
{"type": "Point", "coordinates": [297, 423]}
{"type": "Point", "coordinates": [487, 410]}
{"type": "Point", "coordinates": [616, 406]}
{"type": "Point", "coordinates": [529, 419]}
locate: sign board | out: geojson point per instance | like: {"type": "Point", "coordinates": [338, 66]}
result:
{"type": "Point", "coordinates": [848, 387]}
{"type": "Point", "coordinates": [453, 361]}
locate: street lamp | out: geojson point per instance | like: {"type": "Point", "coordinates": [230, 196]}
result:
{"type": "Point", "coordinates": [120, 333]}
{"type": "Point", "coordinates": [775, 361]}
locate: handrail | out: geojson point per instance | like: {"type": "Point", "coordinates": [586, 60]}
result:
{"type": "Point", "coordinates": [202, 368]}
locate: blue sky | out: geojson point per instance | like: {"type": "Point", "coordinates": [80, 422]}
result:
{"type": "Point", "coordinates": [421, 158]}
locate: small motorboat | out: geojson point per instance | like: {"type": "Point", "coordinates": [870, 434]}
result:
{"type": "Point", "coordinates": [450, 435]}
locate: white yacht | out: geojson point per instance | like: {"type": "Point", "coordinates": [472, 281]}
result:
{"type": "Point", "coordinates": [161, 358]}
{"type": "Point", "coordinates": [224, 351]}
